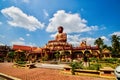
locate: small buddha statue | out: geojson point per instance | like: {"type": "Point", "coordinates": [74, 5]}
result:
{"type": "Point", "coordinates": [83, 44]}
{"type": "Point", "coordinates": [61, 36]}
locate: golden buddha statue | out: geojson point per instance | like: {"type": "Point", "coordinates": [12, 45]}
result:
{"type": "Point", "coordinates": [60, 41]}
{"type": "Point", "coordinates": [83, 44]}
{"type": "Point", "coordinates": [61, 36]}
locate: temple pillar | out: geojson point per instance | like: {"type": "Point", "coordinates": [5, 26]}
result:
{"type": "Point", "coordinates": [104, 55]}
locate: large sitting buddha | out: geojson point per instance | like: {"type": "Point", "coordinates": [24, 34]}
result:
{"type": "Point", "coordinates": [60, 41]}
{"type": "Point", "coordinates": [60, 37]}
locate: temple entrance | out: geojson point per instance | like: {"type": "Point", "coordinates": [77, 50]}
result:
{"type": "Point", "coordinates": [77, 55]}
{"type": "Point", "coordinates": [88, 53]}
{"type": "Point", "coordinates": [66, 57]}
{"type": "Point", "coordinates": [95, 54]}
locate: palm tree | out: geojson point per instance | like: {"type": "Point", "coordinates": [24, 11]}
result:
{"type": "Point", "coordinates": [99, 42]}
{"type": "Point", "coordinates": [115, 44]}
{"type": "Point", "coordinates": [105, 46]}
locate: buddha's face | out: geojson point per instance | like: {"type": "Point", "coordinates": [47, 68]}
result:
{"type": "Point", "coordinates": [60, 29]}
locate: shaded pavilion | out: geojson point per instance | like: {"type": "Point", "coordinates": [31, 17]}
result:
{"type": "Point", "coordinates": [35, 54]}
{"type": "Point", "coordinates": [106, 53]}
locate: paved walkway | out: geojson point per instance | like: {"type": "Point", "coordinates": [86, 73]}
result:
{"type": "Point", "coordinates": [40, 74]}
{"type": "Point", "coordinates": [50, 66]}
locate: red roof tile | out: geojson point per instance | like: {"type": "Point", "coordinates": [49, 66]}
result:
{"type": "Point", "coordinates": [22, 47]}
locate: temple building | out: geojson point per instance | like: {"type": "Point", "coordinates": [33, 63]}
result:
{"type": "Point", "coordinates": [106, 53]}
{"type": "Point", "coordinates": [66, 50]}
{"type": "Point", "coordinates": [59, 48]}
{"type": "Point", "coordinates": [4, 49]}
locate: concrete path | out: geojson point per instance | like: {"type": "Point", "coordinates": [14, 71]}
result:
{"type": "Point", "coordinates": [50, 66]}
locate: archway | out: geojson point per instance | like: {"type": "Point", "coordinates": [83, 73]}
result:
{"type": "Point", "coordinates": [87, 53]}
{"type": "Point", "coordinates": [95, 54]}
{"type": "Point", "coordinates": [77, 55]}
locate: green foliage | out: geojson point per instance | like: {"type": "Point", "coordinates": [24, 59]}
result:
{"type": "Point", "coordinates": [94, 66]}
{"type": "Point", "coordinates": [99, 42]}
{"type": "Point", "coordinates": [118, 61]}
{"type": "Point", "coordinates": [11, 54]}
{"type": "Point", "coordinates": [45, 58]}
{"type": "Point", "coordinates": [57, 55]}
{"type": "Point", "coordinates": [21, 58]}
{"type": "Point", "coordinates": [110, 60]}
{"type": "Point", "coordinates": [93, 59]}
{"type": "Point", "coordinates": [21, 62]}
{"type": "Point", "coordinates": [1, 59]}
{"type": "Point", "coordinates": [75, 65]}
{"type": "Point", "coordinates": [115, 44]}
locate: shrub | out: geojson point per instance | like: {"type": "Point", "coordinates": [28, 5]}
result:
{"type": "Point", "coordinates": [21, 62]}
{"type": "Point", "coordinates": [1, 59]}
{"type": "Point", "coordinates": [111, 60]}
{"type": "Point", "coordinates": [118, 61]}
{"type": "Point", "coordinates": [45, 58]}
{"type": "Point", "coordinates": [93, 59]}
{"type": "Point", "coordinates": [75, 65]}
{"type": "Point", "coordinates": [94, 66]}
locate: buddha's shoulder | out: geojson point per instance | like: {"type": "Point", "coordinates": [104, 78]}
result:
{"type": "Point", "coordinates": [64, 33]}
{"type": "Point", "coordinates": [61, 34]}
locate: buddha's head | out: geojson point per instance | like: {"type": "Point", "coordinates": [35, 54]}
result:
{"type": "Point", "coordinates": [60, 29]}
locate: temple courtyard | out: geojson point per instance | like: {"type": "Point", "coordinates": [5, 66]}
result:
{"type": "Point", "coordinates": [42, 74]}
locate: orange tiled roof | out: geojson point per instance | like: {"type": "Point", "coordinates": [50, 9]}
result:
{"type": "Point", "coordinates": [22, 47]}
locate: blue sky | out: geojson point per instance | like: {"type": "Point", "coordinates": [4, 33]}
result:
{"type": "Point", "coordinates": [35, 22]}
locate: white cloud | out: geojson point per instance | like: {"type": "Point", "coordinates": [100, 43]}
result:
{"type": "Point", "coordinates": [21, 39]}
{"type": "Point", "coordinates": [77, 39]}
{"type": "Point", "coordinates": [115, 33]}
{"type": "Point", "coordinates": [53, 35]}
{"type": "Point", "coordinates": [1, 44]}
{"type": "Point", "coordinates": [18, 18]}
{"type": "Point", "coordinates": [18, 42]}
{"type": "Point", "coordinates": [0, 23]}
{"type": "Point", "coordinates": [104, 38]}
{"type": "Point", "coordinates": [2, 36]}
{"type": "Point", "coordinates": [73, 39]}
{"type": "Point", "coordinates": [25, 1]}
{"type": "Point", "coordinates": [27, 34]}
{"type": "Point", "coordinates": [31, 44]}
{"type": "Point", "coordinates": [89, 40]}
{"type": "Point", "coordinates": [103, 28]}
{"type": "Point", "coordinates": [71, 23]}
{"type": "Point", "coordinates": [45, 13]}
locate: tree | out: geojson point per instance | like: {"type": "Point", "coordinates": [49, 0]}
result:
{"type": "Point", "coordinates": [57, 55]}
{"type": "Point", "coordinates": [11, 55]}
{"type": "Point", "coordinates": [115, 44]}
{"type": "Point", "coordinates": [99, 42]}
{"type": "Point", "coordinates": [105, 46]}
